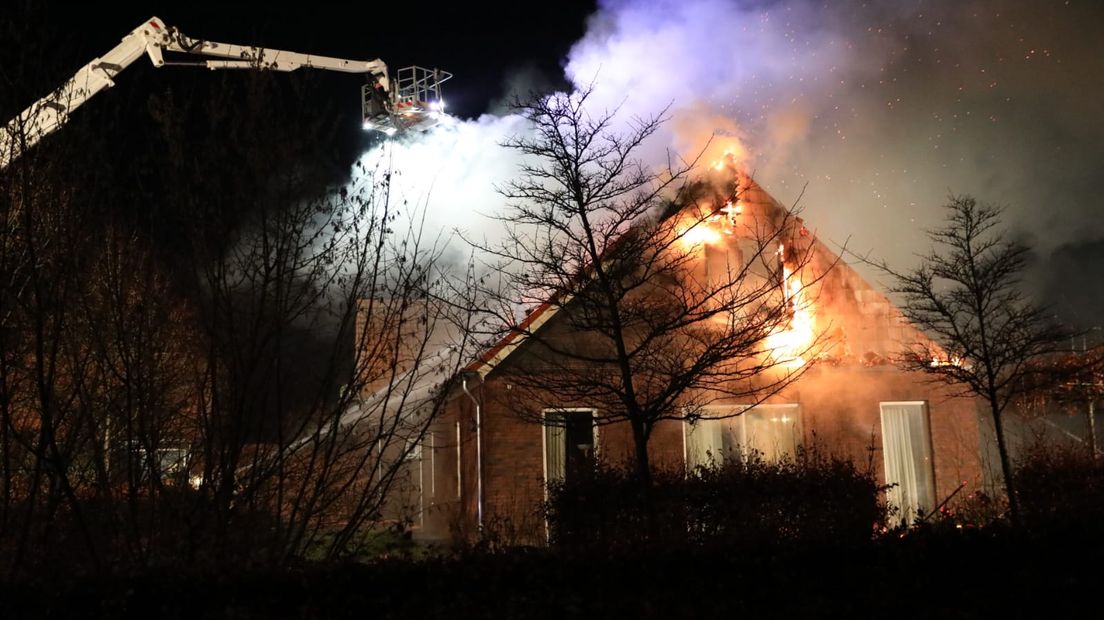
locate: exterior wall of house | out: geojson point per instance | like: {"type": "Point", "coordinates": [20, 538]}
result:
{"type": "Point", "coordinates": [839, 395]}
{"type": "Point", "coordinates": [513, 468]}
{"type": "Point", "coordinates": [1059, 422]}
{"type": "Point", "coordinates": [840, 415]}
{"type": "Point", "coordinates": [839, 399]}
{"type": "Point", "coordinates": [448, 469]}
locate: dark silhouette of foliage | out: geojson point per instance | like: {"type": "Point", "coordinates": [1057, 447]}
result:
{"type": "Point", "coordinates": [738, 505]}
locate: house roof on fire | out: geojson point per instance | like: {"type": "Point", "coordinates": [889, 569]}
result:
{"type": "Point", "coordinates": [865, 327]}
{"type": "Point", "coordinates": [846, 294]}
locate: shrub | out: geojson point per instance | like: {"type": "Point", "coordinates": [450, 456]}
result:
{"type": "Point", "coordinates": [736, 504]}
{"type": "Point", "coordinates": [1060, 488]}
{"type": "Point", "coordinates": [976, 510]}
{"type": "Point", "coordinates": [174, 528]}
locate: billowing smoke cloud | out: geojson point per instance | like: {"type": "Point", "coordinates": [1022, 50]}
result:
{"type": "Point", "coordinates": [449, 176]}
{"type": "Point", "coordinates": [878, 110]}
{"type": "Point", "coordinates": [881, 109]}
{"type": "Point", "coordinates": [725, 69]}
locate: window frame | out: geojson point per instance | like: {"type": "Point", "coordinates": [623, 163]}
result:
{"type": "Point", "coordinates": [928, 444]}
{"type": "Point", "coordinates": [742, 417]}
{"type": "Point", "coordinates": [544, 436]}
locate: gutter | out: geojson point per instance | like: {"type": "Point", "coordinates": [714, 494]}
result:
{"type": "Point", "coordinates": [478, 450]}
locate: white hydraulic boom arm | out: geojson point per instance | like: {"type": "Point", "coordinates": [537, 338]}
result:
{"type": "Point", "coordinates": [416, 104]}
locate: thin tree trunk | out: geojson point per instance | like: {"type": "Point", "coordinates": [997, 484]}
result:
{"type": "Point", "coordinates": [644, 477]}
{"type": "Point", "coordinates": [1006, 467]}
{"type": "Point", "coordinates": [1092, 428]}
{"type": "Point", "coordinates": [643, 466]}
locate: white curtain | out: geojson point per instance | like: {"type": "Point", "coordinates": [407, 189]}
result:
{"type": "Point", "coordinates": [704, 443]}
{"type": "Point", "coordinates": [774, 431]}
{"type": "Point", "coordinates": [906, 446]}
{"type": "Point", "coordinates": [555, 446]}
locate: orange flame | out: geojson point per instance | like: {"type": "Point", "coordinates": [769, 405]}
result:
{"type": "Point", "coordinates": [788, 345]}
{"type": "Point", "coordinates": [694, 234]}
{"type": "Point", "coordinates": [954, 360]}
{"type": "Point", "coordinates": [730, 159]}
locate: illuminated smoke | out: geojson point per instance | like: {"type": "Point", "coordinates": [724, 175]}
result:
{"type": "Point", "coordinates": [881, 109]}
{"type": "Point", "coordinates": [450, 174]}
{"type": "Point", "coordinates": [724, 69]}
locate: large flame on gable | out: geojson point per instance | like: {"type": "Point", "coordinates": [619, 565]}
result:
{"type": "Point", "coordinates": [694, 234]}
{"type": "Point", "coordinates": [790, 344]}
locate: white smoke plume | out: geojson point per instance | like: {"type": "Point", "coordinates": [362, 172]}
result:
{"type": "Point", "coordinates": [879, 110]}
{"type": "Point", "coordinates": [447, 177]}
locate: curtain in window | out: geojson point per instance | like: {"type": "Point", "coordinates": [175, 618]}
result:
{"type": "Point", "coordinates": [773, 431]}
{"type": "Point", "coordinates": [906, 446]}
{"type": "Point", "coordinates": [704, 443]}
{"type": "Point", "coordinates": [714, 438]}
{"type": "Point", "coordinates": [555, 446]}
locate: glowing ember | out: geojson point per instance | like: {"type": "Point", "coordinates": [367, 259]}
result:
{"type": "Point", "coordinates": [732, 209]}
{"type": "Point", "coordinates": [954, 360]}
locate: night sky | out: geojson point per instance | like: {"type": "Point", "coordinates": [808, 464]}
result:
{"type": "Point", "coordinates": [878, 110]}
{"type": "Point", "coordinates": [482, 44]}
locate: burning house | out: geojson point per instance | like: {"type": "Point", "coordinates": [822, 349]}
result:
{"type": "Point", "coordinates": [486, 460]}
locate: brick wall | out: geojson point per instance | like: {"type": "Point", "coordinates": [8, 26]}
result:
{"type": "Point", "coordinates": [839, 397]}
{"type": "Point", "coordinates": [839, 410]}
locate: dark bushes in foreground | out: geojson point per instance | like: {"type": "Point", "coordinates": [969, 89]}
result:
{"type": "Point", "coordinates": [967, 572]}
{"type": "Point", "coordinates": [736, 504]}
{"type": "Point", "coordinates": [950, 574]}
{"type": "Point", "coordinates": [1061, 488]}
{"type": "Point", "coordinates": [177, 527]}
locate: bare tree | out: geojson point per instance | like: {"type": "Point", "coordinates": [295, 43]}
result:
{"type": "Point", "coordinates": [304, 416]}
{"type": "Point", "coordinates": [967, 296]}
{"type": "Point", "coordinates": [45, 245]}
{"type": "Point", "coordinates": [181, 374]}
{"type": "Point", "coordinates": [615, 253]}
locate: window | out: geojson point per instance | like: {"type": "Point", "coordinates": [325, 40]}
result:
{"type": "Point", "coordinates": [907, 449]}
{"type": "Point", "coordinates": [570, 443]}
{"type": "Point", "coordinates": [459, 466]}
{"type": "Point", "coordinates": [412, 450]}
{"type": "Point", "coordinates": [432, 464]}
{"type": "Point", "coordinates": [772, 432]}
{"type": "Point", "coordinates": [168, 464]}
{"type": "Point", "coordinates": [710, 441]}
